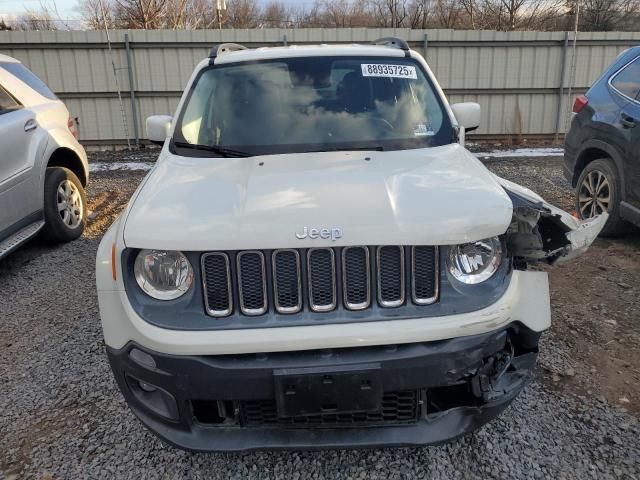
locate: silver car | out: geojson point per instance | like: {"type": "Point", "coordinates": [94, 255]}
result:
{"type": "Point", "coordinates": [43, 168]}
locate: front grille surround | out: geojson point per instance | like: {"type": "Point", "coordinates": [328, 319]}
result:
{"type": "Point", "coordinates": [279, 288]}
{"type": "Point", "coordinates": [220, 303]}
{"type": "Point", "coordinates": [346, 281]}
{"type": "Point", "coordinates": [390, 295]}
{"type": "Point", "coordinates": [253, 298]}
{"type": "Point", "coordinates": [416, 297]}
{"type": "Point", "coordinates": [312, 275]}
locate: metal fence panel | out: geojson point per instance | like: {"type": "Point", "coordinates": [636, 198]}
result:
{"type": "Point", "coordinates": [515, 76]}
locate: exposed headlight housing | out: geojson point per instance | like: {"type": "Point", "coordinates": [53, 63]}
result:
{"type": "Point", "coordinates": [162, 274]}
{"type": "Point", "coordinates": [475, 262]}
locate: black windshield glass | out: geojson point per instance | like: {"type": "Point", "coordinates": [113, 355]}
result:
{"type": "Point", "coordinates": [314, 104]}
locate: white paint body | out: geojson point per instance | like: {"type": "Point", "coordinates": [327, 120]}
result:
{"type": "Point", "coordinates": [28, 138]}
{"type": "Point", "coordinates": [407, 197]}
{"type": "Point", "coordinates": [431, 196]}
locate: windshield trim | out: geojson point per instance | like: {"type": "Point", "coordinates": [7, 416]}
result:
{"type": "Point", "coordinates": [258, 150]}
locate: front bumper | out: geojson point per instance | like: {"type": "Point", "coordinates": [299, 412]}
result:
{"type": "Point", "coordinates": [526, 301]}
{"type": "Point", "coordinates": [433, 392]}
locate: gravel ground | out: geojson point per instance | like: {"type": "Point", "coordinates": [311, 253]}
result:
{"type": "Point", "coordinates": [61, 415]}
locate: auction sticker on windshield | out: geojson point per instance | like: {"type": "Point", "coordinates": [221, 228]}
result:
{"type": "Point", "coordinates": [386, 70]}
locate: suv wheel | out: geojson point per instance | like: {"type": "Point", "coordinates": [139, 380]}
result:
{"type": "Point", "coordinates": [597, 191]}
{"type": "Point", "coordinates": [65, 206]}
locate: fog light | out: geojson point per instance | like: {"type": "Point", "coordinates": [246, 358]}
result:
{"type": "Point", "coordinates": [152, 397]}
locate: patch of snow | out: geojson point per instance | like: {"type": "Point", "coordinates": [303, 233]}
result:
{"type": "Point", "coordinates": [522, 152]}
{"type": "Point", "coordinates": [110, 166]}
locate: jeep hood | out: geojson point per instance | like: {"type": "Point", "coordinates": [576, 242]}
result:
{"type": "Point", "coordinates": [435, 196]}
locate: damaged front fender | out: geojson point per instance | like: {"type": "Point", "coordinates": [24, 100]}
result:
{"type": "Point", "coordinates": [540, 231]}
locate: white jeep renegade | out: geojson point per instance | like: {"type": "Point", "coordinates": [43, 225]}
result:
{"type": "Point", "coordinates": [316, 261]}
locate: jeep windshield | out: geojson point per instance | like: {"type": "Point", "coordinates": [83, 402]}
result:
{"type": "Point", "coordinates": [311, 104]}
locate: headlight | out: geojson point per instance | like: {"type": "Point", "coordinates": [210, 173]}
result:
{"type": "Point", "coordinates": [164, 275]}
{"type": "Point", "coordinates": [475, 262]}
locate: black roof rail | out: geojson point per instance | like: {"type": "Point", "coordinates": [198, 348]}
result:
{"type": "Point", "coordinates": [220, 48]}
{"type": "Point", "coordinates": [393, 42]}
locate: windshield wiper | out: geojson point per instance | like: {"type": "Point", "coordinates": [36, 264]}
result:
{"type": "Point", "coordinates": [222, 151]}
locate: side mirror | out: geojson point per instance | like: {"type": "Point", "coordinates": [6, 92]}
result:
{"type": "Point", "coordinates": [467, 114]}
{"type": "Point", "coordinates": [158, 128]}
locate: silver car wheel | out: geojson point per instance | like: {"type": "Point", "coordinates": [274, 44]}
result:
{"type": "Point", "coordinates": [70, 205]}
{"type": "Point", "coordinates": [594, 196]}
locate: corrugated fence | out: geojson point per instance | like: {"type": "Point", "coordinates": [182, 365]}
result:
{"type": "Point", "coordinates": [517, 77]}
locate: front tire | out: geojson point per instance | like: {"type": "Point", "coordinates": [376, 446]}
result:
{"type": "Point", "coordinates": [65, 206]}
{"type": "Point", "coordinates": [598, 190]}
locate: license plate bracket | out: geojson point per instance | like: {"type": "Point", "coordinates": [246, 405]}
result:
{"type": "Point", "coordinates": [328, 390]}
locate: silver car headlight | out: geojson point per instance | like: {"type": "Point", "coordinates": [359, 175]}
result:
{"type": "Point", "coordinates": [162, 274]}
{"type": "Point", "coordinates": [475, 262]}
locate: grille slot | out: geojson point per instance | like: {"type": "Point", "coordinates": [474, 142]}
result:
{"type": "Point", "coordinates": [356, 283]}
{"type": "Point", "coordinates": [321, 267]}
{"type": "Point", "coordinates": [397, 408]}
{"type": "Point", "coordinates": [390, 262]}
{"type": "Point", "coordinates": [424, 274]}
{"type": "Point", "coordinates": [252, 286]}
{"type": "Point", "coordinates": [217, 284]}
{"type": "Point", "coordinates": [287, 288]}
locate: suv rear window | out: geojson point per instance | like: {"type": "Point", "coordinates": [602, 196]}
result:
{"type": "Point", "coordinates": [627, 80]}
{"type": "Point", "coordinates": [27, 76]}
{"type": "Point", "coordinates": [314, 104]}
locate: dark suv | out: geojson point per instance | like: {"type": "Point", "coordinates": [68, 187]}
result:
{"type": "Point", "coordinates": [602, 148]}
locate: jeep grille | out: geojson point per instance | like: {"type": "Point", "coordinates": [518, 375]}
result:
{"type": "Point", "coordinates": [319, 279]}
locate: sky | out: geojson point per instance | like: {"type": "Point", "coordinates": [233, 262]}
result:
{"type": "Point", "coordinates": [67, 8]}
{"type": "Point", "coordinates": [13, 8]}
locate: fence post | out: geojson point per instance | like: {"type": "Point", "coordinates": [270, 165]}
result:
{"type": "Point", "coordinates": [563, 72]}
{"type": "Point", "coordinates": [132, 93]}
{"type": "Point", "coordinates": [425, 42]}
{"type": "Point", "coordinates": [284, 40]}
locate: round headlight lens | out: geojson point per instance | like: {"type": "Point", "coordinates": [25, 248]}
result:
{"type": "Point", "coordinates": [163, 275]}
{"type": "Point", "coordinates": [475, 262]}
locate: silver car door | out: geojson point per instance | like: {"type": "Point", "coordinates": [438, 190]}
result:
{"type": "Point", "coordinates": [17, 127]}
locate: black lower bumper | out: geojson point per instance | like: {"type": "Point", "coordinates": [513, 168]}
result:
{"type": "Point", "coordinates": [429, 393]}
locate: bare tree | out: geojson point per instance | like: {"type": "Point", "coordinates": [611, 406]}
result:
{"type": "Point", "coordinates": [92, 14]}
{"type": "Point", "coordinates": [473, 14]}
{"type": "Point", "coordinates": [336, 13]}
{"type": "Point", "coordinates": [606, 15]}
{"type": "Point", "coordinates": [419, 13]}
{"type": "Point", "coordinates": [541, 15]}
{"type": "Point", "coordinates": [276, 15]}
{"type": "Point", "coordinates": [35, 21]}
{"type": "Point", "coordinates": [242, 14]}
{"type": "Point", "coordinates": [303, 17]}
{"type": "Point", "coordinates": [512, 10]}
{"type": "Point", "coordinates": [471, 9]}
{"type": "Point", "coordinates": [389, 13]}
{"type": "Point", "coordinates": [144, 14]}
{"type": "Point", "coordinates": [448, 13]}
{"type": "Point", "coordinates": [46, 17]}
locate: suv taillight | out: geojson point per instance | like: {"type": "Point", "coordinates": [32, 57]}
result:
{"type": "Point", "coordinates": [580, 102]}
{"type": "Point", "coordinates": [72, 128]}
